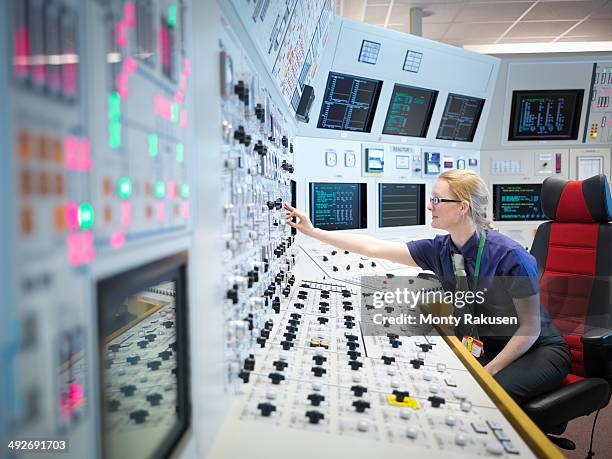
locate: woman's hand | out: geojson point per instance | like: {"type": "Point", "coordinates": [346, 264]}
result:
{"type": "Point", "coordinates": [304, 225]}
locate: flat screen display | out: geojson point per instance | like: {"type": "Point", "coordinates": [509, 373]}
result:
{"type": "Point", "coordinates": [545, 115]}
{"type": "Point", "coordinates": [401, 204]}
{"type": "Point", "coordinates": [338, 206]}
{"type": "Point", "coordinates": [410, 111]}
{"type": "Point", "coordinates": [349, 103]}
{"type": "Point", "coordinates": [143, 354]}
{"type": "Point", "coordinates": [460, 118]}
{"type": "Point", "coordinates": [517, 202]}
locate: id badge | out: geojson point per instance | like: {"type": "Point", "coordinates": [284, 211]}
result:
{"type": "Point", "coordinates": [473, 345]}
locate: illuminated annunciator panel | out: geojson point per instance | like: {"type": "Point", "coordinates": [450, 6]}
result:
{"type": "Point", "coordinates": [143, 348]}
{"type": "Point", "coordinates": [598, 128]}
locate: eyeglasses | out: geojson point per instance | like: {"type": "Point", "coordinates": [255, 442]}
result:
{"type": "Point", "coordinates": [436, 200]}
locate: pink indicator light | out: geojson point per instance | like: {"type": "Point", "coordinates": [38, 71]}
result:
{"type": "Point", "coordinates": [130, 65]}
{"type": "Point", "coordinates": [71, 214]}
{"type": "Point", "coordinates": [87, 245]}
{"type": "Point", "coordinates": [126, 213]}
{"type": "Point", "coordinates": [182, 82]}
{"type": "Point", "coordinates": [65, 407]}
{"type": "Point", "coordinates": [187, 66]}
{"type": "Point", "coordinates": [128, 13]}
{"type": "Point", "coordinates": [74, 249]}
{"type": "Point", "coordinates": [117, 239]}
{"type": "Point", "coordinates": [171, 190]}
{"type": "Point", "coordinates": [71, 153]}
{"type": "Point", "coordinates": [163, 107]}
{"type": "Point", "coordinates": [39, 73]}
{"type": "Point", "coordinates": [161, 211]}
{"type": "Point", "coordinates": [21, 40]}
{"type": "Point", "coordinates": [85, 156]}
{"type": "Point", "coordinates": [120, 34]}
{"type": "Point", "coordinates": [122, 85]}
{"type": "Point", "coordinates": [178, 97]}
{"type": "Point", "coordinates": [185, 208]}
{"type": "Point", "coordinates": [76, 395]}
{"type": "Point", "coordinates": [183, 118]}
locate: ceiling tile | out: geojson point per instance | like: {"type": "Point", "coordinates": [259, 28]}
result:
{"type": "Point", "coordinates": [482, 12]}
{"type": "Point", "coordinates": [605, 12]}
{"type": "Point", "coordinates": [353, 8]}
{"type": "Point", "coordinates": [434, 31]}
{"type": "Point", "coordinates": [539, 28]}
{"type": "Point", "coordinates": [600, 27]}
{"type": "Point", "coordinates": [472, 30]}
{"type": "Point", "coordinates": [563, 10]}
{"type": "Point", "coordinates": [376, 14]}
{"type": "Point", "coordinates": [527, 40]}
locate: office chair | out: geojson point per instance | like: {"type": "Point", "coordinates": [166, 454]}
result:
{"type": "Point", "coordinates": [574, 256]}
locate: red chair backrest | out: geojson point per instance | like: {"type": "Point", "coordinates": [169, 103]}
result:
{"type": "Point", "coordinates": [574, 255]}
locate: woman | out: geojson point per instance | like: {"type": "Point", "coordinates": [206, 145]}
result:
{"type": "Point", "coordinates": [531, 361]}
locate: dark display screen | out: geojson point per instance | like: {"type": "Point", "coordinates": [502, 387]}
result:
{"type": "Point", "coordinates": [338, 206]}
{"type": "Point", "coordinates": [401, 204]}
{"type": "Point", "coordinates": [517, 202]}
{"type": "Point", "coordinates": [545, 115]}
{"type": "Point", "coordinates": [460, 118]}
{"type": "Point", "coordinates": [410, 111]}
{"type": "Point", "coordinates": [349, 103]}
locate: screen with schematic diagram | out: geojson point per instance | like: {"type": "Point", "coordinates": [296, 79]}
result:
{"type": "Point", "coordinates": [517, 202]}
{"type": "Point", "coordinates": [349, 103]}
{"type": "Point", "coordinates": [401, 204]}
{"type": "Point", "coordinates": [143, 348]}
{"type": "Point", "coordinates": [460, 118]}
{"type": "Point", "coordinates": [545, 114]}
{"type": "Point", "coordinates": [338, 206]}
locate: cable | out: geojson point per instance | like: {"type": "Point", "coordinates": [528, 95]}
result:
{"type": "Point", "coordinates": [590, 454]}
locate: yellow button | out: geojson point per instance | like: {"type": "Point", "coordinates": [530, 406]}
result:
{"type": "Point", "coordinates": [408, 402]}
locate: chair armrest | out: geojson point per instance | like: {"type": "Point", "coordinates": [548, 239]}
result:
{"type": "Point", "coordinates": [568, 402]}
{"type": "Point", "coordinates": [597, 356]}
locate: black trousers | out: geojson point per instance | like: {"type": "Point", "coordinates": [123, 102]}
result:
{"type": "Point", "coordinates": [541, 369]}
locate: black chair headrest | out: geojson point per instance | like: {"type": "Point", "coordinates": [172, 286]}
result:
{"type": "Point", "coordinates": [575, 201]}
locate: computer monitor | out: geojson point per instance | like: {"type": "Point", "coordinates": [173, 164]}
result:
{"type": "Point", "coordinates": [293, 201]}
{"type": "Point", "coordinates": [338, 206]}
{"type": "Point", "coordinates": [143, 356]}
{"type": "Point", "coordinates": [401, 204]}
{"type": "Point", "coordinates": [545, 115]}
{"type": "Point", "coordinates": [410, 111]}
{"type": "Point", "coordinates": [460, 118]}
{"type": "Point", "coordinates": [517, 202]}
{"type": "Point", "coordinates": [349, 103]}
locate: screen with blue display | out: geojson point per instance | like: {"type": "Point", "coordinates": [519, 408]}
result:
{"type": "Point", "coordinates": [349, 103]}
{"type": "Point", "coordinates": [401, 204]}
{"type": "Point", "coordinates": [517, 202]}
{"type": "Point", "coordinates": [460, 118]}
{"type": "Point", "coordinates": [410, 111]}
{"type": "Point", "coordinates": [338, 206]}
{"type": "Point", "coordinates": [548, 115]}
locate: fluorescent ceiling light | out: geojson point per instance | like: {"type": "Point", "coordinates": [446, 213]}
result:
{"type": "Point", "coordinates": [530, 48]}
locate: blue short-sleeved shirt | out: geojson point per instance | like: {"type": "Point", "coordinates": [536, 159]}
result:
{"type": "Point", "coordinates": [504, 264]}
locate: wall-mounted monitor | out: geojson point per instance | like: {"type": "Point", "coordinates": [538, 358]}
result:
{"type": "Point", "coordinates": [144, 360]}
{"type": "Point", "coordinates": [338, 206]}
{"type": "Point", "coordinates": [517, 202]}
{"type": "Point", "coordinates": [460, 118]}
{"type": "Point", "coordinates": [401, 204]}
{"type": "Point", "coordinates": [410, 111]}
{"type": "Point", "coordinates": [545, 115]}
{"type": "Point", "coordinates": [349, 103]}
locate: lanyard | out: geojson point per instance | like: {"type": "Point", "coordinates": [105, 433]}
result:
{"type": "Point", "coordinates": [481, 245]}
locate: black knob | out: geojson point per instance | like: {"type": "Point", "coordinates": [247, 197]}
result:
{"type": "Point", "coordinates": [352, 345]}
{"type": "Point", "coordinates": [346, 252]}
{"type": "Point", "coordinates": [128, 390]}
{"type": "Point", "coordinates": [350, 337]}
{"type": "Point", "coordinates": [261, 341]}
{"type": "Point", "coordinates": [244, 375]}
{"type": "Point", "coordinates": [353, 354]}
{"type": "Point", "coordinates": [249, 363]}
{"type": "Point", "coordinates": [154, 365]}
{"type": "Point", "coordinates": [294, 322]}
{"type": "Point", "coordinates": [392, 336]}
{"type": "Point", "coordinates": [416, 363]}
{"type": "Point", "coordinates": [323, 309]}
{"type": "Point", "coordinates": [133, 360]}
{"type": "Point", "coordinates": [113, 347]}
{"type": "Point", "coordinates": [165, 355]}
{"type": "Point", "coordinates": [266, 409]}
{"type": "Point", "coordinates": [400, 395]}
{"type": "Point", "coordinates": [355, 364]}
{"type": "Point", "coordinates": [359, 390]}
{"type": "Point", "coordinates": [276, 377]}
{"type": "Point", "coordinates": [286, 345]}
{"type": "Point", "coordinates": [269, 324]}
{"type": "Point", "coordinates": [348, 267]}
{"type": "Point", "coordinates": [139, 416]}
{"type": "Point", "coordinates": [436, 401]}
{"type": "Point", "coordinates": [348, 324]}
{"type": "Point", "coordinates": [361, 405]}
{"type": "Point", "coordinates": [425, 347]}
{"type": "Point", "coordinates": [285, 141]}
{"type": "Point", "coordinates": [388, 359]}
{"type": "Point", "coordinates": [291, 328]}
{"type": "Point", "coordinates": [315, 399]}
{"type": "Point", "coordinates": [325, 258]}
{"type": "Point", "coordinates": [154, 399]}
{"type": "Point", "coordinates": [395, 343]}
{"type": "Point", "coordinates": [373, 264]}
{"type": "Point", "coordinates": [296, 316]}
{"type": "Point", "coordinates": [168, 324]}
{"type": "Point", "coordinates": [151, 337]}
{"type": "Point", "coordinates": [265, 334]}
{"type": "Point", "coordinates": [361, 266]}
{"type": "Point", "coordinates": [334, 252]}
{"type": "Point", "coordinates": [318, 371]}
{"type": "Point", "coordinates": [289, 336]}
{"type": "Point", "coordinates": [280, 365]}
{"type": "Point", "coordinates": [322, 320]}
{"type": "Point", "coordinates": [142, 344]}
{"type": "Point", "coordinates": [334, 268]}
{"type": "Point", "coordinates": [319, 359]}
{"type": "Point", "coordinates": [232, 295]}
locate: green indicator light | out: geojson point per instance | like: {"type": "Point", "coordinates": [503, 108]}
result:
{"type": "Point", "coordinates": [125, 187]}
{"type": "Point", "coordinates": [172, 15]}
{"type": "Point", "coordinates": [175, 113]}
{"type": "Point", "coordinates": [114, 132]}
{"type": "Point", "coordinates": [160, 189]}
{"type": "Point", "coordinates": [185, 190]}
{"type": "Point", "coordinates": [86, 215]}
{"type": "Point", "coordinates": [153, 144]}
{"type": "Point", "coordinates": [180, 152]}
{"type": "Point", "coordinates": [114, 120]}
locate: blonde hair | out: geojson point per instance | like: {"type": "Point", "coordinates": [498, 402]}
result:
{"type": "Point", "coordinates": [468, 186]}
